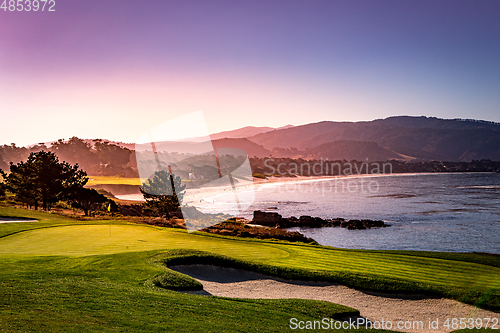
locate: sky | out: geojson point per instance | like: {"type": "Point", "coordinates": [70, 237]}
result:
{"type": "Point", "coordinates": [115, 69]}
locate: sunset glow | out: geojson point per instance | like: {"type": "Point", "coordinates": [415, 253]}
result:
{"type": "Point", "coordinates": [106, 70]}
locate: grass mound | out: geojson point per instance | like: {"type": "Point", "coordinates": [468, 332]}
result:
{"type": "Point", "coordinates": [173, 280]}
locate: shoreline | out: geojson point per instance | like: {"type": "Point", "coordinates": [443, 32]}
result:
{"type": "Point", "coordinates": [276, 181]}
{"type": "Point", "coordinates": [259, 183]}
{"type": "Point", "coordinates": [284, 179]}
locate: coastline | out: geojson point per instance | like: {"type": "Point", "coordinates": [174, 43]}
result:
{"type": "Point", "coordinates": [197, 194]}
{"type": "Point", "coordinates": [284, 179]}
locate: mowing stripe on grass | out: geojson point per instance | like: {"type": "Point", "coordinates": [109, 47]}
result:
{"type": "Point", "coordinates": [465, 277]}
{"type": "Point", "coordinates": [83, 240]}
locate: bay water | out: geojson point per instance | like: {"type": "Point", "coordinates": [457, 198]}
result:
{"type": "Point", "coordinates": [457, 212]}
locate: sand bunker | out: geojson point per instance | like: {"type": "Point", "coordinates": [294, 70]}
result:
{"type": "Point", "coordinates": [4, 219]}
{"type": "Point", "coordinates": [228, 282]}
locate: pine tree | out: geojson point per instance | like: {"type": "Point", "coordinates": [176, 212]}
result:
{"type": "Point", "coordinates": [42, 179]}
{"type": "Point", "coordinates": [163, 193]}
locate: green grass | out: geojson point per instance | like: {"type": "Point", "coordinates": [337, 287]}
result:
{"type": "Point", "coordinates": [112, 293]}
{"type": "Point", "coordinates": [44, 220]}
{"type": "Point", "coordinates": [59, 273]}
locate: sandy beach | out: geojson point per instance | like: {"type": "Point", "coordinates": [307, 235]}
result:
{"type": "Point", "coordinates": [204, 193]}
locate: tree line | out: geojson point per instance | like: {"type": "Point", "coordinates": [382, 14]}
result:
{"type": "Point", "coordinates": [97, 157]}
{"type": "Point", "coordinates": [42, 181]}
{"type": "Point", "coordinates": [262, 167]}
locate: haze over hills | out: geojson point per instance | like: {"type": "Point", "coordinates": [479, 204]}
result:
{"type": "Point", "coordinates": [342, 150]}
{"type": "Point", "coordinates": [401, 138]}
{"type": "Point", "coordinates": [239, 133]}
{"type": "Point", "coordinates": [251, 148]}
{"type": "Point", "coordinates": [245, 132]}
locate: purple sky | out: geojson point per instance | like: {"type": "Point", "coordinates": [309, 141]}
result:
{"type": "Point", "coordinates": [113, 69]}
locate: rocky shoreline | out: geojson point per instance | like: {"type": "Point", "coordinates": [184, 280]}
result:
{"type": "Point", "coordinates": [264, 225]}
{"type": "Point", "coordinates": [239, 227]}
{"type": "Point", "coordinates": [275, 220]}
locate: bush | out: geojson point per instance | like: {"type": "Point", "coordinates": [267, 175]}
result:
{"type": "Point", "coordinates": [62, 205]}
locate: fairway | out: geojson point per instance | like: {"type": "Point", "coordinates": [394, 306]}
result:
{"type": "Point", "coordinates": [63, 274]}
{"type": "Point", "coordinates": [81, 240]}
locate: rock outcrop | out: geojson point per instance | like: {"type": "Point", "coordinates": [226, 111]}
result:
{"type": "Point", "coordinates": [306, 221]}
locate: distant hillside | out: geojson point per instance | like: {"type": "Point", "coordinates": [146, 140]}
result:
{"type": "Point", "coordinates": [351, 150]}
{"type": "Point", "coordinates": [244, 132]}
{"type": "Point", "coordinates": [251, 148]}
{"type": "Point", "coordinates": [239, 133]}
{"type": "Point", "coordinates": [341, 150]}
{"type": "Point", "coordinates": [402, 138]}
{"type": "Point", "coordinates": [438, 123]}
{"type": "Point", "coordinates": [418, 137]}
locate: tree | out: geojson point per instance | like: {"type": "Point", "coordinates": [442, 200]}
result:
{"type": "Point", "coordinates": [163, 193]}
{"type": "Point", "coordinates": [3, 165]}
{"type": "Point", "coordinates": [76, 150]}
{"type": "Point", "coordinates": [21, 182]}
{"type": "Point", "coordinates": [88, 199]}
{"type": "Point", "coordinates": [42, 179]}
{"type": "Point", "coordinates": [2, 188]}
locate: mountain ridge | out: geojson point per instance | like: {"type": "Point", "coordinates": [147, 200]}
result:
{"type": "Point", "coordinates": [398, 137]}
{"type": "Point", "coordinates": [419, 137]}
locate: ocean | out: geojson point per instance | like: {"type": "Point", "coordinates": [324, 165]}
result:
{"type": "Point", "coordinates": [457, 212]}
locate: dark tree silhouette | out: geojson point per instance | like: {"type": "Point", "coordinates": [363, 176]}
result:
{"type": "Point", "coordinates": [22, 183]}
{"type": "Point", "coordinates": [42, 179]}
{"type": "Point", "coordinates": [87, 199]}
{"type": "Point", "coordinates": [2, 189]}
{"type": "Point", "coordinates": [163, 193]}
{"type": "Point", "coordinates": [74, 151]}
{"type": "Point", "coordinates": [3, 165]}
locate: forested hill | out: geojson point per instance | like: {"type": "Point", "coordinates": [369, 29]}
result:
{"type": "Point", "coordinates": [424, 138]}
{"type": "Point", "coordinates": [403, 138]}
{"type": "Point", "coordinates": [96, 157]}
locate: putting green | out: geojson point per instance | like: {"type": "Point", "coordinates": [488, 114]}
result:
{"type": "Point", "coordinates": [81, 240]}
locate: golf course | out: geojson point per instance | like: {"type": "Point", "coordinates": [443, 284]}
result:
{"type": "Point", "coordinates": [63, 274]}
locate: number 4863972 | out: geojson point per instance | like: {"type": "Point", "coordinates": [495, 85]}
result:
{"type": "Point", "coordinates": [28, 5]}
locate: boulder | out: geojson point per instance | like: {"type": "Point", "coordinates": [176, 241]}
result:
{"type": "Point", "coordinates": [267, 219]}
{"type": "Point", "coordinates": [362, 224]}
{"type": "Point", "coordinates": [335, 222]}
{"type": "Point", "coordinates": [312, 222]}
{"type": "Point", "coordinates": [276, 220]}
